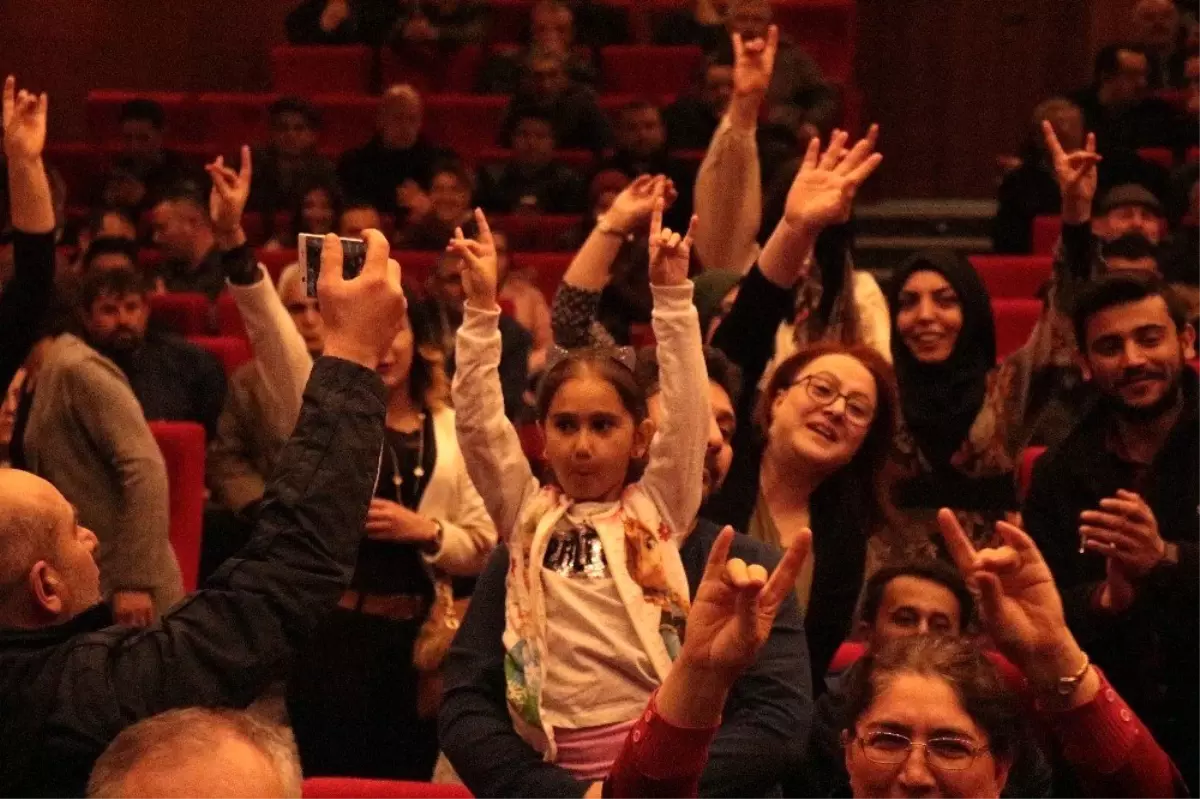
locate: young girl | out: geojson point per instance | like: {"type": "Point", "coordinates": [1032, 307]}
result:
{"type": "Point", "coordinates": [596, 591]}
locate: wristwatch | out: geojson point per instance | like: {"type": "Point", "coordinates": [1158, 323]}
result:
{"type": "Point", "coordinates": [434, 545]}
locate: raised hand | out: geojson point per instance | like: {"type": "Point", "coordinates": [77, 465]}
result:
{"type": "Point", "coordinates": [631, 209]}
{"type": "Point", "coordinates": [481, 276]}
{"type": "Point", "coordinates": [335, 13]}
{"type": "Point", "coordinates": [24, 122]}
{"type": "Point", "coordinates": [362, 315]}
{"type": "Point", "coordinates": [1019, 601]}
{"type": "Point", "coordinates": [735, 607]}
{"type": "Point", "coordinates": [1125, 530]}
{"type": "Point", "coordinates": [1076, 174]}
{"type": "Point", "coordinates": [753, 65]}
{"type": "Point", "coordinates": [230, 191]}
{"type": "Point", "coordinates": [823, 192]}
{"type": "Point", "coordinates": [670, 255]}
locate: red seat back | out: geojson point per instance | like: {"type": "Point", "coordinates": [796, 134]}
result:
{"type": "Point", "coordinates": [276, 261]}
{"type": "Point", "coordinates": [346, 120]}
{"type": "Point", "coordinates": [1015, 319]}
{"type": "Point", "coordinates": [1017, 276]}
{"type": "Point", "coordinates": [182, 446]}
{"type": "Point", "coordinates": [307, 70]}
{"type": "Point", "coordinates": [232, 351]}
{"type": "Point", "coordinates": [356, 788]}
{"type": "Point", "coordinates": [103, 111]}
{"type": "Point", "coordinates": [1046, 230]}
{"type": "Point", "coordinates": [235, 118]}
{"type": "Point", "coordinates": [415, 266]}
{"type": "Point", "coordinates": [1158, 155]}
{"type": "Point", "coordinates": [546, 269]}
{"type": "Point", "coordinates": [466, 123]}
{"type": "Point", "coordinates": [185, 313]}
{"type": "Point", "coordinates": [649, 70]}
{"type": "Point", "coordinates": [1025, 473]}
{"type": "Point", "coordinates": [535, 232]}
{"type": "Point", "coordinates": [229, 318]}
{"type": "Point", "coordinates": [453, 72]}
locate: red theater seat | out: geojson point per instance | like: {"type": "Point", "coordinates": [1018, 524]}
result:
{"type": "Point", "coordinates": [308, 70]}
{"type": "Point", "coordinates": [235, 118]}
{"type": "Point", "coordinates": [1192, 156]}
{"type": "Point", "coordinates": [183, 313]}
{"type": "Point", "coordinates": [453, 72]}
{"type": "Point", "coordinates": [356, 788]}
{"type": "Point", "coordinates": [232, 351]}
{"type": "Point", "coordinates": [1029, 457]}
{"type": "Point", "coordinates": [346, 120]}
{"type": "Point", "coordinates": [1158, 155]}
{"type": "Point", "coordinates": [82, 166]}
{"type": "Point", "coordinates": [579, 160]}
{"type": "Point", "coordinates": [535, 232]}
{"type": "Point", "coordinates": [1016, 276]}
{"type": "Point", "coordinates": [229, 318]}
{"type": "Point", "coordinates": [466, 123]}
{"type": "Point", "coordinates": [1015, 319]}
{"type": "Point", "coordinates": [546, 269]}
{"type": "Point", "coordinates": [1046, 230]}
{"type": "Point", "coordinates": [276, 261]}
{"type": "Point", "coordinates": [182, 446]}
{"type": "Point", "coordinates": [103, 111]}
{"type": "Point", "coordinates": [649, 70]}
{"type": "Point", "coordinates": [415, 266]}
{"type": "Point", "coordinates": [825, 29]}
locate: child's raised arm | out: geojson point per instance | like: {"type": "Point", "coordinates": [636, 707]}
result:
{"type": "Point", "coordinates": [675, 473]}
{"type": "Point", "coordinates": [489, 444]}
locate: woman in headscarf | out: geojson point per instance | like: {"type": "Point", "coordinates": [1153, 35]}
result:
{"type": "Point", "coordinates": [953, 448]}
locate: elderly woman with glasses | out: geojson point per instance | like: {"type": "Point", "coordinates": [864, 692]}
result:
{"type": "Point", "coordinates": [926, 716]}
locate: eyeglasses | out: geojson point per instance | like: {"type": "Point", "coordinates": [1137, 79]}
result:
{"type": "Point", "coordinates": [824, 390]}
{"type": "Point", "coordinates": [944, 754]}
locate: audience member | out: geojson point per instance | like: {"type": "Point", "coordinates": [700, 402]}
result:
{"type": "Point", "coordinates": [143, 156]}
{"type": "Point", "coordinates": [1157, 30]}
{"type": "Point", "coordinates": [941, 690]}
{"type": "Point", "coordinates": [107, 222]}
{"type": "Point", "coordinates": [641, 149]}
{"type": "Point", "coordinates": [431, 220]}
{"type": "Point", "coordinates": [446, 24]}
{"type": "Point", "coordinates": [290, 160]}
{"type": "Point", "coordinates": [356, 217]}
{"type": "Point", "coordinates": [8, 416]}
{"type": "Point", "coordinates": [693, 118]}
{"type": "Point", "coordinates": [172, 379]}
{"type": "Point", "coordinates": [444, 308]}
{"type": "Point", "coordinates": [603, 189]}
{"type": "Point", "coordinates": [528, 306]}
{"type": "Point", "coordinates": [198, 752]}
{"type": "Point", "coordinates": [109, 252]}
{"type": "Point", "coordinates": [223, 646]}
{"type": "Point", "coordinates": [246, 449]}
{"type": "Point", "coordinates": [533, 180]}
{"type": "Point", "coordinates": [570, 105]}
{"type": "Point", "coordinates": [703, 24]}
{"type": "Point", "coordinates": [716, 292]}
{"type": "Point", "coordinates": [1118, 109]}
{"type": "Point", "coordinates": [317, 211]}
{"type": "Point", "coordinates": [398, 155]}
{"type": "Point", "coordinates": [551, 31]}
{"type": "Point", "coordinates": [339, 22]}
{"type": "Point", "coordinates": [1114, 506]}
{"type": "Point", "coordinates": [28, 288]}
{"type": "Point", "coordinates": [183, 233]}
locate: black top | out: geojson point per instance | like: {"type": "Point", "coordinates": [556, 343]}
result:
{"type": "Point", "coordinates": [552, 189]}
{"type": "Point", "coordinates": [24, 300]}
{"type": "Point", "coordinates": [68, 690]}
{"type": "Point", "coordinates": [207, 278]}
{"type": "Point", "coordinates": [372, 172]}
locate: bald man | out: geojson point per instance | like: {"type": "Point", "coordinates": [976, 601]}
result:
{"type": "Point", "coordinates": [70, 681]}
{"type": "Point", "coordinates": [397, 155]}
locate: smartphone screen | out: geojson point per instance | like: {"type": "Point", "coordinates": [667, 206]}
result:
{"type": "Point", "coordinates": [354, 256]}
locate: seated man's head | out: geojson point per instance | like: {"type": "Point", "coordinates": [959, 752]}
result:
{"type": "Point", "coordinates": [724, 388]}
{"type": "Point", "coordinates": [716, 87]}
{"type": "Point", "coordinates": [304, 310]}
{"type": "Point", "coordinates": [921, 597]}
{"type": "Point", "coordinates": [111, 223]}
{"type": "Point", "coordinates": [1066, 119]}
{"type": "Point", "coordinates": [1121, 75]}
{"type": "Point", "coordinates": [1155, 24]}
{"type": "Point", "coordinates": [48, 571]}
{"type": "Point", "coordinates": [551, 27]}
{"type": "Point", "coordinates": [115, 309]}
{"type": "Point", "coordinates": [109, 253]}
{"type": "Point", "coordinates": [141, 122]}
{"type": "Point", "coordinates": [318, 208]}
{"type": "Point", "coordinates": [293, 123]}
{"type": "Point", "coordinates": [450, 192]}
{"type": "Point", "coordinates": [182, 228]}
{"type": "Point", "coordinates": [357, 216]}
{"type": "Point", "coordinates": [1131, 251]}
{"type": "Point", "coordinates": [198, 752]}
{"type": "Point", "coordinates": [1129, 208]}
{"type": "Point", "coordinates": [750, 18]}
{"type": "Point", "coordinates": [445, 283]}
{"type": "Point", "coordinates": [533, 140]}
{"type": "Point", "coordinates": [639, 130]}
{"type": "Point", "coordinates": [400, 117]}
{"type": "Point", "coordinates": [1134, 340]}
{"type": "Point", "coordinates": [548, 78]}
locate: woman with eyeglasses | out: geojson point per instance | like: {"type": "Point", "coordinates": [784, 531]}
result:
{"type": "Point", "coordinates": [926, 716]}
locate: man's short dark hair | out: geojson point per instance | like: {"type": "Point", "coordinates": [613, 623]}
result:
{"type": "Point", "coordinates": [186, 191]}
{"type": "Point", "coordinates": [295, 105]}
{"type": "Point", "coordinates": [1108, 60]}
{"type": "Point", "coordinates": [1122, 287]}
{"type": "Point", "coordinates": [96, 220]}
{"type": "Point", "coordinates": [722, 371]}
{"type": "Point", "coordinates": [639, 104]}
{"type": "Point", "coordinates": [931, 569]}
{"type": "Point", "coordinates": [453, 166]}
{"type": "Point", "coordinates": [117, 282]}
{"type": "Point", "coordinates": [143, 110]}
{"type": "Point", "coordinates": [110, 245]}
{"type": "Point", "coordinates": [1130, 247]}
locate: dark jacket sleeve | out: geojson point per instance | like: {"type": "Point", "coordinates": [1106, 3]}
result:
{"type": "Point", "coordinates": [224, 644]}
{"type": "Point", "coordinates": [210, 388]}
{"type": "Point", "coordinates": [474, 727]}
{"type": "Point", "coordinates": [24, 300]}
{"type": "Point", "coordinates": [747, 333]}
{"type": "Point", "coordinates": [516, 342]}
{"type": "Point", "coordinates": [765, 724]}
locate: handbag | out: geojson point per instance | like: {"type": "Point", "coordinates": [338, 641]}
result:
{"type": "Point", "coordinates": [433, 642]}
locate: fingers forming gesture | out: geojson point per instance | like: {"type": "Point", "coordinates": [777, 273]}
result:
{"type": "Point", "coordinates": [230, 191]}
{"type": "Point", "coordinates": [670, 254]}
{"type": "Point", "coordinates": [823, 192]}
{"type": "Point", "coordinates": [1075, 171]}
{"type": "Point", "coordinates": [736, 605]}
{"type": "Point", "coordinates": [754, 63]}
{"type": "Point", "coordinates": [481, 275]}
{"type": "Point", "coordinates": [635, 203]}
{"type": "Point", "coordinates": [24, 122]}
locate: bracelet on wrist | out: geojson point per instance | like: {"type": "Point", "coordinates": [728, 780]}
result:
{"type": "Point", "coordinates": [604, 226]}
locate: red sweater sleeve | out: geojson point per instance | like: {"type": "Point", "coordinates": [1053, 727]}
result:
{"type": "Point", "coordinates": [659, 759]}
{"type": "Point", "coordinates": [1111, 751]}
